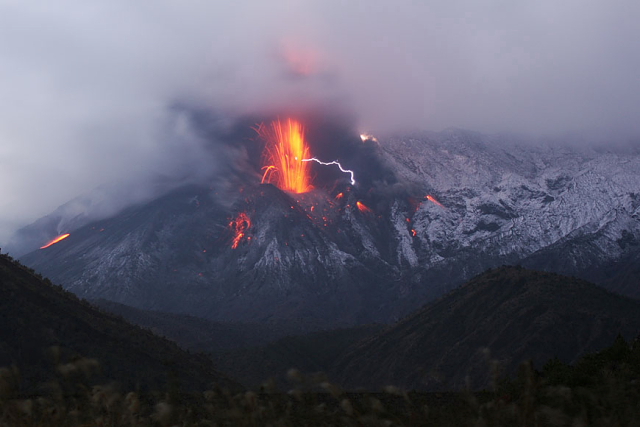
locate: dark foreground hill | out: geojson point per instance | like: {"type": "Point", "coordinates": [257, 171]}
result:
{"type": "Point", "coordinates": [507, 315]}
{"type": "Point", "coordinates": [42, 326]}
{"type": "Point", "coordinates": [314, 352]}
{"type": "Point", "coordinates": [249, 352]}
{"type": "Point", "coordinates": [202, 335]}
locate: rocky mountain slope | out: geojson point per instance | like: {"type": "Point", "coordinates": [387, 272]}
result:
{"type": "Point", "coordinates": [557, 206]}
{"type": "Point", "coordinates": [434, 210]}
{"type": "Point", "coordinates": [176, 254]}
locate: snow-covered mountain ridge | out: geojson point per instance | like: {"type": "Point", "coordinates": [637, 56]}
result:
{"type": "Point", "coordinates": [511, 200]}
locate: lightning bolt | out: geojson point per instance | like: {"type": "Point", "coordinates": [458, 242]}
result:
{"type": "Point", "coordinates": [335, 162]}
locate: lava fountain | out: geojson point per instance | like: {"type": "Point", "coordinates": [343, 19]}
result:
{"type": "Point", "coordinates": [283, 156]}
{"type": "Point", "coordinates": [56, 240]}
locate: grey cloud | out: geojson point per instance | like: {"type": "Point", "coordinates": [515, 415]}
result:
{"type": "Point", "coordinates": [86, 87]}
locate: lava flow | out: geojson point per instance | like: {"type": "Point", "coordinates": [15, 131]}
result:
{"type": "Point", "coordinates": [56, 240]}
{"type": "Point", "coordinates": [363, 208]}
{"type": "Point", "coordinates": [284, 153]}
{"type": "Point", "coordinates": [239, 226]}
{"type": "Point", "coordinates": [432, 199]}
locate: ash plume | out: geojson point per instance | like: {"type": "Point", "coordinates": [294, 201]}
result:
{"type": "Point", "coordinates": [238, 149]}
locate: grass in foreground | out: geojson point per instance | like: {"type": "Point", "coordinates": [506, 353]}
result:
{"type": "Point", "coordinates": [601, 389]}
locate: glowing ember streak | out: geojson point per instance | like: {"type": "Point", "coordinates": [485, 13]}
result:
{"type": "Point", "coordinates": [267, 169]}
{"type": "Point", "coordinates": [363, 207]}
{"type": "Point", "coordinates": [432, 199]}
{"type": "Point", "coordinates": [340, 196]}
{"type": "Point", "coordinates": [56, 240]}
{"type": "Point", "coordinates": [335, 162]}
{"type": "Point", "coordinates": [239, 226]}
{"type": "Point", "coordinates": [284, 154]}
{"type": "Point", "coordinates": [413, 232]}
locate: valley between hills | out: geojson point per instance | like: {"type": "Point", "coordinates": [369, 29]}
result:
{"type": "Point", "coordinates": [508, 335]}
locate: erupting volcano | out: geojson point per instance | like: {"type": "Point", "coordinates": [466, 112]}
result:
{"type": "Point", "coordinates": [315, 246]}
{"type": "Point", "coordinates": [284, 153]}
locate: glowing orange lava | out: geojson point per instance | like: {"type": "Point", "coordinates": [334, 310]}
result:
{"type": "Point", "coordinates": [56, 240]}
{"type": "Point", "coordinates": [239, 226]}
{"type": "Point", "coordinates": [284, 151]}
{"type": "Point", "coordinates": [363, 207]}
{"type": "Point", "coordinates": [267, 170]}
{"type": "Point", "coordinates": [413, 232]}
{"type": "Point", "coordinates": [340, 196]}
{"type": "Point", "coordinates": [432, 199]}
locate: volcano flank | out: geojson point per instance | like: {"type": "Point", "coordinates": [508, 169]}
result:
{"type": "Point", "coordinates": [177, 254]}
{"type": "Point", "coordinates": [427, 212]}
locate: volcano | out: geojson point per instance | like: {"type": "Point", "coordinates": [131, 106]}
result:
{"type": "Point", "coordinates": [181, 253]}
{"type": "Point", "coordinates": [428, 211]}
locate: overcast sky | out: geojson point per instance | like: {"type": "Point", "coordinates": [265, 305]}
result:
{"type": "Point", "coordinates": [85, 85]}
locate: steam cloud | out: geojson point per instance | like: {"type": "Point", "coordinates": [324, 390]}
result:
{"type": "Point", "coordinates": [96, 92]}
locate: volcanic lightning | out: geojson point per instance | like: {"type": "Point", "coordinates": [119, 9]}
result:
{"type": "Point", "coordinates": [284, 156]}
{"type": "Point", "coordinates": [335, 162]}
{"type": "Point", "coordinates": [56, 240]}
